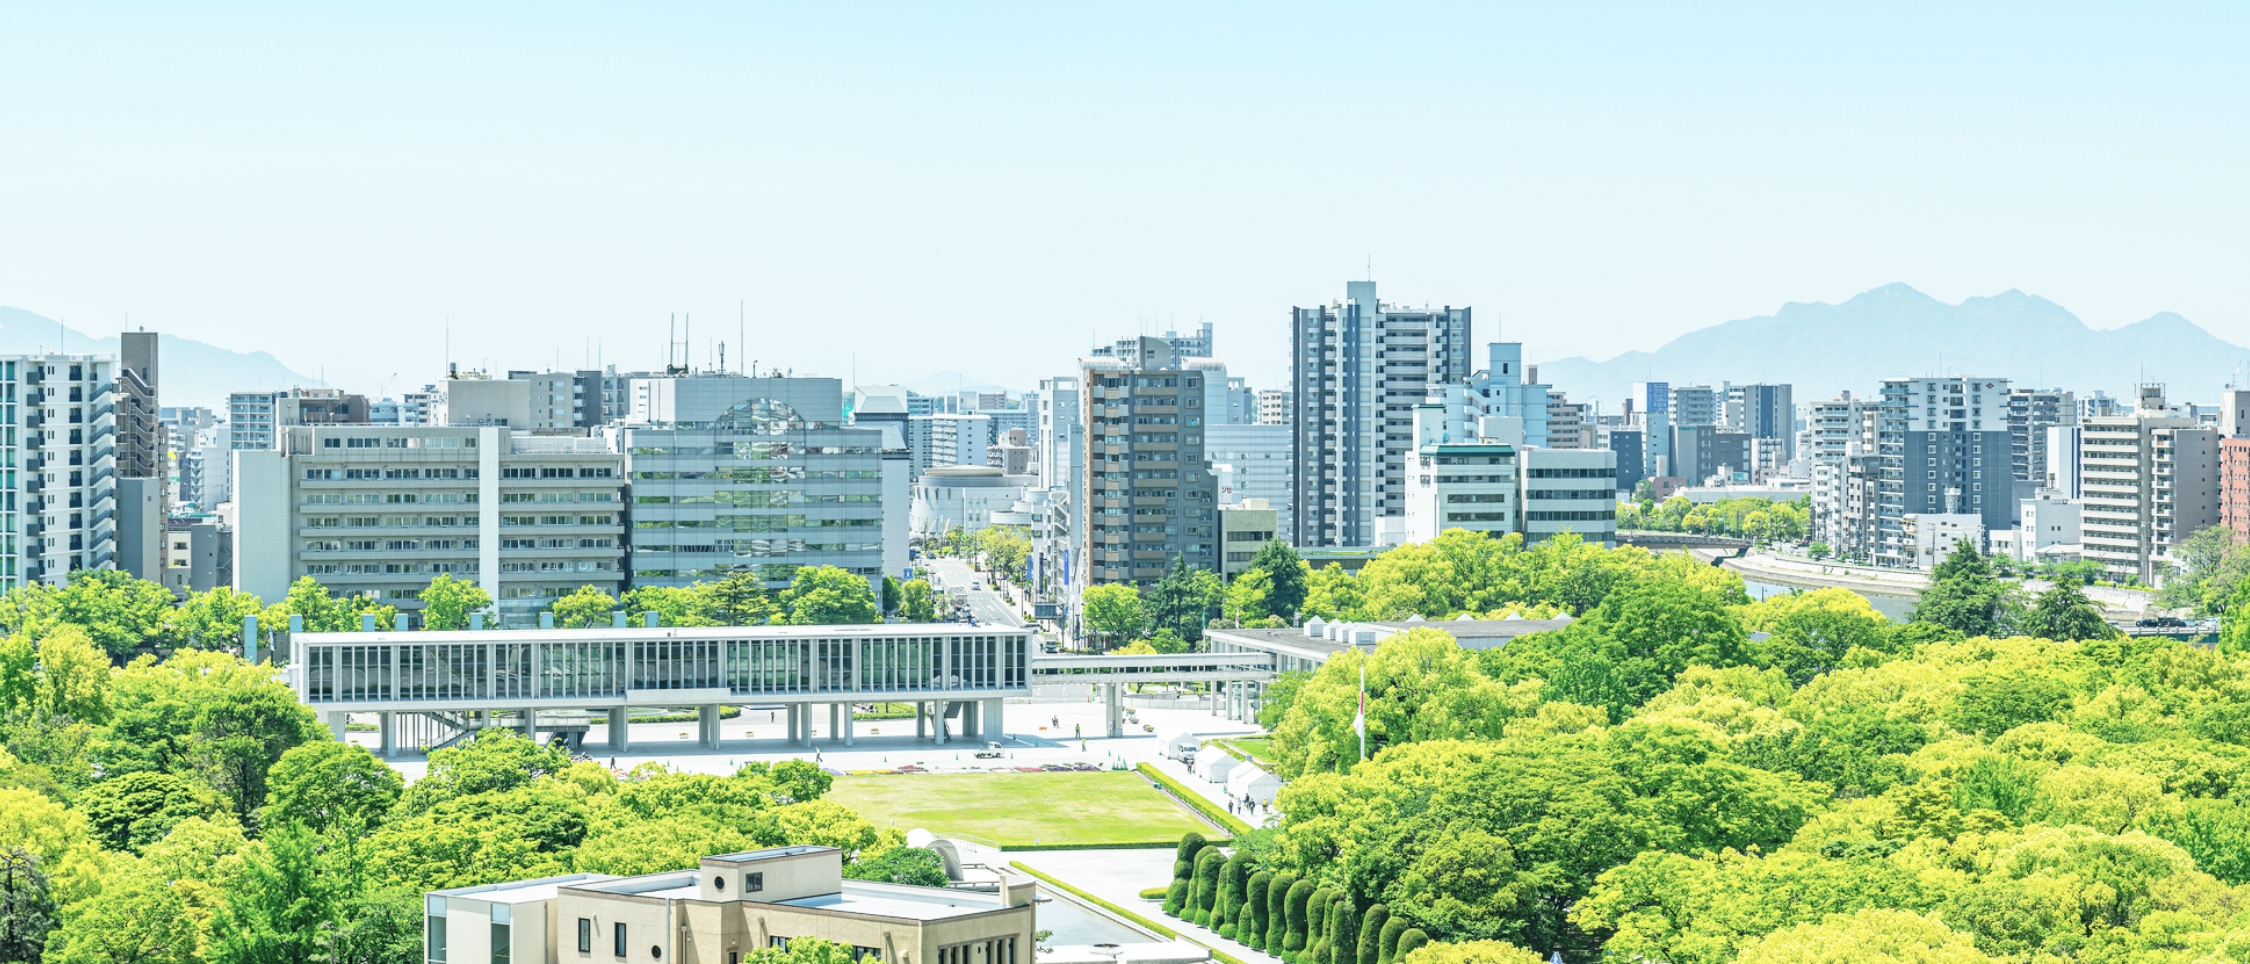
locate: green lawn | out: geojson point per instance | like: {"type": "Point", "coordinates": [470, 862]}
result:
{"type": "Point", "coordinates": [1016, 809]}
{"type": "Point", "coordinates": [1259, 750]}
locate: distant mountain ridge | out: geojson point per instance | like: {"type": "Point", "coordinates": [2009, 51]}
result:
{"type": "Point", "coordinates": [1895, 331]}
{"type": "Point", "coordinates": [189, 372]}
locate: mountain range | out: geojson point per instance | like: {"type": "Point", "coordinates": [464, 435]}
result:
{"type": "Point", "coordinates": [189, 372]}
{"type": "Point", "coordinates": [1895, 331]}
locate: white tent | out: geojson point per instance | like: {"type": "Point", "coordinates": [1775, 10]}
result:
{"type": "Point", "coordinates": [1177, 745]}
{"type": "Point", "coordinates": [1247, 781]}
{"type": "Point", "coordinates": [1215, 764]}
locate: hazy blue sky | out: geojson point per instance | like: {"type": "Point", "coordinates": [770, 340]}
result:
{"type": "Point", "coordinates": [988, 187]}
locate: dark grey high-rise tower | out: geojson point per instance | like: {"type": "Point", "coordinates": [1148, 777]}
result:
{"type": "Point", "coordinates": [141, 508]}
{"type": "Point", "coordinates": [1357, 368]}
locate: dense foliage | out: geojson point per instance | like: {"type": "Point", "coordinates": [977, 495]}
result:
{"type": "Point", "coordinates": [817, 596]}
{"type": "Point", "coordinates": [1748, 517]}
{"type": "Point", "coordinates": [190, 810]}
{"type": "Point", "coordinates": [1682, 776]}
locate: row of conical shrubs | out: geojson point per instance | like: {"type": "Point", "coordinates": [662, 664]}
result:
{"type": "Point", "coordinates": [1296, 920]}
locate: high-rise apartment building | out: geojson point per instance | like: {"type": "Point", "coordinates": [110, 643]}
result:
{"type": "Point", "coordinates": [1150, 496]}
{"type": "Point", "coordinates": [757, 475]}
{"type": "Point", "coordinates": [1358, 367]}
{"type": "Point", "coordinates": [939, 440]}
{"type": "Point", "coordinates": [143, 470]}
{"type": "Point", "coordinates": [58, 495]}
{"type": "Point", "coordinates": [1194, 344]}
{"type": "Point", "coordinates": [2031, 412]}
{"type": "Point", "coordinates": [1570, 425]}
{"type": "Point", "coordinates": [1944, 448]}
{"type": "Point", "coordinates": [379, 512]}
{"type": "Point", "coordinates": [2149, 479]}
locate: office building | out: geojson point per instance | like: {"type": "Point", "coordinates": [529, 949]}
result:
{"type": "Point", "coordinates": [759, 475]}
{"type": "Point", "coordinates": [2050, 528]}
{"type": "Point", "coordinates": [1703, 453]}
{"type": "Point", "coordinates": [1358, 367]}
{"type": "Point", "coordinates": [254, 419]}
{"type": "Point", "coordinates": [58, 499]}
{"type": "Point", "coordinates": [1763, 412]}
{"type": "Point", "coordinates": [1244, 528]}
{"type": "Point", "coordinates": [1632, 459]}
{"type": "Point", "coordinates": [1568, 490]}
{"type": "Point", "coordinates": [2031, 412]}
{"type": "Point", "coordinates": [1150, 496]}
{"type": "Point", "coordinates": [2149, 479]}
{"type": "Point", "coordinates": [379, 512]}
{"type": "Point", "coordinates": [1251, 462]}
{"type": "Point", "coordinates": [198, 555]}
{"type": "Point", "coordinates": [2065, 474]}
{"type": "Point", "coordinates": [1011, 454]}
{"type": "Point", "coordinates": [1463, 480]}
{"type": "Point", "coordinates": [1694, 406]}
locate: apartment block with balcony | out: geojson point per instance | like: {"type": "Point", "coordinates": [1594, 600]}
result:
{"type": "Point", "coordinates": [2148, 479]}
{"type": "Point", "coordinates": [379, 512]}
{"type": "Point", "coordinates": [1944, 448]}
{"type": "Point", "coordinates": [1358, 368]}
{"type": "Point", "coordinates": [1150, 494]}
{"type": "Point", "coordinates": [2031, 412]}
{"type": "Point", "coordinates": [58, 466]}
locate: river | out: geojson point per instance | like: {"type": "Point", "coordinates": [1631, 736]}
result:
{"type": "Point", "coordinates": [1896, 607]}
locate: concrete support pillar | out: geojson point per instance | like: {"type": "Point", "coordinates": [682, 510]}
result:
{"type": "Point", "coordinates": [995, 726]}
{"type": "Point", "coordinates": [336, 723]}
{"type": "Point", "coordinates": [921, 719]}
{"type": "Point", "coordinates": [937, 717]}
{"type": "Point", "coordinates": [620, 731]}
{"type": "Point", "coordinates": [804, 725]}
{"type": "Point", "coordinates": [835, 730]}
{"type": "Point", "coordinates": [707, 718]}
{"type": "Point", "coordinates": [1113, 708]}
{"type": "Point", "coordinates": [848, 724]}
{"type": "Point", "coordinates": [389, 726]}
{"type": "Point", "coordinates": [530, 725]}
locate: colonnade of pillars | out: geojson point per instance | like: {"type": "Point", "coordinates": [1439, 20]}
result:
{"type": "Point", "coordinates": [939, 720]}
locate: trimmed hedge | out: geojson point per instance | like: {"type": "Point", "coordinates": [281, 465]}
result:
{"type": "Point", "coordinates": [1216, 954]}
{"type": "Point", "coordinates": [1195, 801]}
{"type": "Point", "coordinates": [1411, 939]}
{"type": "Point", "coordinates": [1155, 893]}
{"type": "Point", "coordinates": [1371, 933]}
{"type": "Point", "coordinates": [1277, 911]}
{"type": "Point", "coordinates": [1120, 845]}
{"type": "Point", "coordinates": [1391, 932]}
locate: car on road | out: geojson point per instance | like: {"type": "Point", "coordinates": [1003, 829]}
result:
{"type": "Point", "coordinates": [991, 751]}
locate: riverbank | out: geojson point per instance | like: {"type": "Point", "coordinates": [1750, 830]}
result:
{"type": "Point", "coordinates": [1903, 585]}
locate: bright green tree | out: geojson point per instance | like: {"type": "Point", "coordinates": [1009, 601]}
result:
{"type": "Point", "coordinates": [585, 607]}
{"type": "Point", "coordinates": [916, 602]}
{"type": "Point", "coordinates": [740, 599]}
{"type": "Point", "coordinates": [238, 736]}
{"type": "Point", "coordinates": [131, 811]}
{"type": "Point", "coordinates": [136, 919]}
{"type": "Point", "coordinates": [829, 596]}
{"type": "Point", "coordinates": [327, 784]}
{"type": "Point", "coordinates": [213, 619]}
{"type": "Point", "coordinates": [1113, 613]}
{"type": "Point", "coordinates": [448, 602]}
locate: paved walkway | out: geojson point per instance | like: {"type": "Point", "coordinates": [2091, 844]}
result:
{"type": "Point", "coordinates": [1119, 876]}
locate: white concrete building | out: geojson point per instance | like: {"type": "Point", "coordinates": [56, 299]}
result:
{"type": "Point", "coordinates": [1933, 535]}
{"type": "Point", "coordinates": [59, 495]}
{"type": "Point", "coordinates": [2049, 519]}
{"type": "Point", "coordinates": [2149, 479]}
{"type": "Point", "coordinates": [1461, 482]}
{"type": "Point", "coordinates": [964, 497]}
{"type": "Point", "coordinates": [381, 511]}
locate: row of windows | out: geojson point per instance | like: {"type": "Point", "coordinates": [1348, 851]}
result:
{"type": "Point", "coordinates": [558, 472]}
{"type": "Point", "coordinates": [558, 520]}
{"type": "Point", "coordinates": [1476, 517]}
{"type": "Point", "coordinates": [755, 450]}
{"type": "Point", "coordinates": [758, 498]}
{"type": "Point", "coordinates": [387, 545]}
{"type": "Point", "coordinates": [340, 475]}
{"type": "Point", "coordinates": [397, 442]}
{"type": "Point", "coordinates": [1460, 497]}
{"type": "Point", "coordinates": [776, 473]}
{"type": "Point", "coordinates": [1564, 515]}
{"type": "Point", "coordinates": [523, 670]}
{"type": "Point", "coordinates": [386, 521]}
{"type": "Point", "coordinates": [1597, 473]}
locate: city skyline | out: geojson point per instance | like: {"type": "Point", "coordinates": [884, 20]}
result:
{"type": "Point", "coordinates": [1042, 181]}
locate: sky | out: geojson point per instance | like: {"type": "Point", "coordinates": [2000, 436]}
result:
{"type": "Point", "coordinates": [373, 190]}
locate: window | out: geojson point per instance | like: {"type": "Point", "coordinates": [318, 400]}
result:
{"type": "Point", "coordinates": [585, 935]}
{"type": "Point", "coordinates": [499, 938]}
{"type": "Point", "coordinates": [753, 883]}
{"type": "Point", "coordinates": [618, 939]}
{"type": "Point", "coordinates": [436, 933]}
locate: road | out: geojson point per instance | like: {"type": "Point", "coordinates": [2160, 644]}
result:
{"type": "Point", "coordinates": [989, 607]}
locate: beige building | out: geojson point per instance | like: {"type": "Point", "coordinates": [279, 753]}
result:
{"type": "Point", "coordinates": [728, 905]}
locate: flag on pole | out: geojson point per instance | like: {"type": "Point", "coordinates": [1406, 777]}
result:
{"type": "Point", "coordinates": [1359, 723]}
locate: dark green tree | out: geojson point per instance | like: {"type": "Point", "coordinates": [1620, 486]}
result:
{"type": "Point", "coordinates": [1393, 929]}
{"type": "Point", "coordinates": [1277, 911]}
{"type": "Point", "coordinates": [740, 600]}
{"type": "Point", "coordinates": [1251, 929]}
{"type": "Point", "coordinates": [134, 810]}
{"type": "Point", "coordinates": [1343, 933]}
{"type": "Point", "coordinates": [238, 737]}
{"type": "Point", "coordinates": [27, 907]}
{"type": "Point", "coordinates": [1205, 894]}
{"type": "Point", "coordinates": [1371, 934]}
{"type": "Point", "coordinates": [1285, 575]}
{"type": "Point", "coordinates": [1184, 600]}
{"type": "Point", "coordinates": [1293, 937]}
{"type": "Point", "coordinates": [2063, 613]}
{"type": "Point", "coordinates": [1964, 596]}
{"type": "Point", "coordinates": [918, 866]}
{"type": "Point", "coordinates": [893, 594]}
